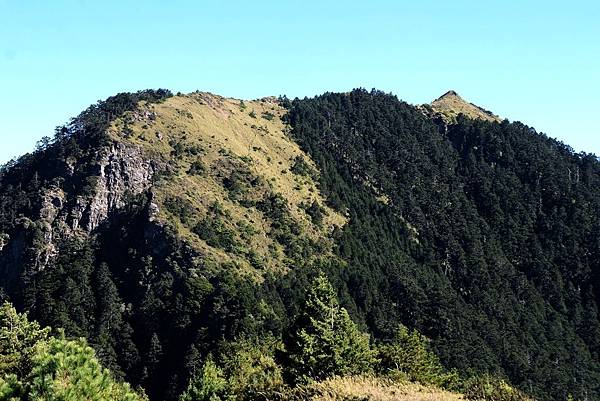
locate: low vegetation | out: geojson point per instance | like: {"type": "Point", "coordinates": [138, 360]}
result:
{"type": "Point", "coordinates": [326, 357]}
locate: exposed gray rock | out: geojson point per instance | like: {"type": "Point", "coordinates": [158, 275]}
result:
{"type": "Point", "coordinates": [153, 209]}
{"type": "Point", "coordinates": [123, 172]}
{"type": "Point", "coordinates": [3, 240]}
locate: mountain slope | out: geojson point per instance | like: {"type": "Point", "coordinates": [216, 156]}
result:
{"type": "Point", "coordinates": [145, 231]}
{"type": "Point", "coordinates": [163, 228]}
{"type": "Point", "coordinates": [234, 156]}
{"type": "Point", "coordinates": [501, 263]}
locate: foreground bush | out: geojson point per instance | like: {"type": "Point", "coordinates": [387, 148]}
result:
{"type": "Point", "coordinates": [408, 356]}
{"type": "Point", "coordinates": [487, 388]}
{"type": "Point", "coordinates": [35, 366]}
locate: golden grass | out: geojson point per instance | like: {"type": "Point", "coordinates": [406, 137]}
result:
{"type": "Point", "coordinates": [378, 389]}
{"type": "Point", "coordinates": [231, 135]}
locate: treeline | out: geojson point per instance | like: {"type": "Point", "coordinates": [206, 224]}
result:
{"type": "Point", "coordinates": [323, 343]}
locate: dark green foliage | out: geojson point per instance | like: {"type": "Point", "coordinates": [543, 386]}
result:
{"type": "Point", "coordinates": [240, 182]}
{"type": "Point", "coordinates": [181, 148]}
{"type": "Point", "coordinates": [298, 246]}
{"type": "Point", "coordinates": [499, 259]}
{"type": "Point", "coordinates": [92, 123]}
{"type": "Point", "coordinates": [63, 294]}
{"type": "Point", "coordinates": [301, 167]}
{"type": "Point", "coordinates": [181, 208]}
{"type": "Point", "coordinates": [315, 211]}
{"type": "Point", "coordinates": [215, 230]}
{"type": "Point", "coordinates": [112, 334]}
{"type": "Point", "coordinates": [268, 115]}
{"type": "Point", "coordinates": [197, 168]}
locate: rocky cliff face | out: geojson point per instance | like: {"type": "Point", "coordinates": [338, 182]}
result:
{"type": "Point", "coordinates": [122, 172]}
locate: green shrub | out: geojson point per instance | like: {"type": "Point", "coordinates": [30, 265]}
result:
{"type": "Point", "coordinates": [302, 168]}
{"type": "Point", "coordinates": [251, 369]}
{"type": "Point", "coordinates": [268, 115]}
{"type": "Point", "coordinates": [197, 168]}
{"type": "Point", "coordinates": [18, 338]}
{"type": "Point", "coordinates": [315, 211]}
{"type": "Point", "coordinates": [214, 230]}
{"type": "Point", "coordinates": [209, 385]}
{"type": "Point", "coordinates": [408, 356]}
{"type": "Point", "coordinates": [487, 388]}
{"type": "Point", "coordinates": [246, 371]}
{"type": "Point", "coordinates": [181, 208]}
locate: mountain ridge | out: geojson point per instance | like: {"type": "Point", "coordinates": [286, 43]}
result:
{"type": "Point", "coordinates": [207, 216]}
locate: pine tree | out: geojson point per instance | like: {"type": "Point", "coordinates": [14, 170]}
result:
{"type": "Point", "coordinates": [34, 366]}
{"type": "Point", "coordinates": [208, 385]}
{"type": "Point", "coordinates": [324, 341]}
{"type": "Point", "coordinates": [68, 370]}
{"type": "Point", "coordinates": [108, 317]}
{"type": "Point", "coordinates": [18, 337]}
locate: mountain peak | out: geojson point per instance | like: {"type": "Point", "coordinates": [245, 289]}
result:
{"type": "Point", "coordinates": [451, 104]}
{"type": "Point", "coordinates": [450, 93]}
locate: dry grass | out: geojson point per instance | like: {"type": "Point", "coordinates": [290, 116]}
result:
{"type": "Point", "coordinates": [377, 389]}
{"type": "Point", "coordinates": [229, 135]}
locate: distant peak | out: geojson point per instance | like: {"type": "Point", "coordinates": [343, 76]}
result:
{"type": "Point", "coordinates": [451, 104]}
{"type": "Point", "coordinates": [450, 93]}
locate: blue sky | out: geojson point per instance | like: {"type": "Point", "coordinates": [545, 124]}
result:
{"type": "Point", "coordinates": [533, 61]}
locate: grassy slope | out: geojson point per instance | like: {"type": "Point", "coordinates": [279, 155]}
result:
{"type": "Point", "coordinates": [226, 136]}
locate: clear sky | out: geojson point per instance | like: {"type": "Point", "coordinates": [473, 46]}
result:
{"type": "Point", "coordinates": [533, 61]}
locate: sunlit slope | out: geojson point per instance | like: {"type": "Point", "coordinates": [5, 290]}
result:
{"type": "Point", "coordinates": [234, 185]}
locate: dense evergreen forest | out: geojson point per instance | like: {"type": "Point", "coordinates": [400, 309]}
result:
{"type": "Point", "coordinates": [481, 236]}
{"type": "Point", "coordinates": [488, 243]}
